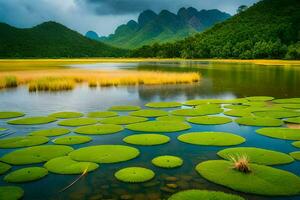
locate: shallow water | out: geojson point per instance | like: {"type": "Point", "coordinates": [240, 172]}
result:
{"type": "Point", "coordinates": [224, 81]}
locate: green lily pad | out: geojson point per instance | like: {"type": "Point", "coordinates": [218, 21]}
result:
{"type": "Point", "coordinates": [236, 107]}
{"type": "Point", "coordinates": [100, 129]}
{"type": "Point", "coordinates": [163, 104]}
{"type": "Point", "coordinates": [171, 118]}
{"type": "Point", "coordinates": [147, 139]}
{"type": "Point", "coordinates": [248, 111]}
{"type": "Point", "coordinates": [256, 104]}
{"type": "Point", "coordinates": [26, 175]}
{"type": "Point", "coordinates": [199, 111]}
{"type": "Point", "coordinates": [260, 98]}
{"type": "Point", "coordinates": [102, 114]}
{"type": "Point", "coordinates": [287, 101]}
{"type": "Point", "coordinates": [167, 161]}
{"type": "Point", "coordinates": [78, 122]}
{"type": "Point", "coordinates": [291, 106]}
{"type": "Point", "coordinates": [105, 153]}
{"type": "Point", "coordinates": [215, 101]}
{"type": "Point", "coordinates": [211, 138]}
{"type": "Point", "coordinates": [65, 165]}
{"type": "Point", "coordinates": [134, 175]}
{"type": "Point", "coordinates": [32, 120]}
{"type": "Point", "coordinates": [66, 115]}
{"type": "Point", "coordinates": [3, 129]}
{"type": "Point", "coordinates": [296, 155]}
{"type": "Point", "coordinates": [4, 168]}
{"type": "Point", "coordinates": [123, 120]}
{"type": "Point", "coordinates": [11, 193]}
{"type": "Point", "coordinates": [36, 154]}
{"type": "Point", "coordinates": [22, 141]}
{"type": "Point", "coordinates": [259, 121]}
{"type": "Point", "coordinates": [257, 155]}
{"type": "Point", "coordinates": [50, 132]}
{"type": "Point", "coordinates": [159, 126]}
{"type": "Point", "coordinates": [203, 194]}
{"type": "Point", "coordinates": [277, 114]}
{"type": "Point", "coordinates": [209, 120]}
{"type": "Point", "coordinates": [280, 133]}
{"type": "Point", "coordinates": [149, 113]}
{"type": "Point", "coordinates": [262, 180]}
{"type": "Point", "coordinates": [294, 120]}
{"type": "Point", "coordinates": [8, 115]}
{"type": "Point", "coordinates": [296, 144]}
{"type": "Point", "coordinates": [125, 108]}
{"type": "Point", "coordinates": [71, 140]}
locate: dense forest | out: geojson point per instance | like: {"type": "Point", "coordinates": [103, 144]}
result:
{"type": "Point", "coordinates": [268, 29]}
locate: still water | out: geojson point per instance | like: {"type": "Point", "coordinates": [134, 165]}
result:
{"type": "Point", "coordinates": [224, 81]}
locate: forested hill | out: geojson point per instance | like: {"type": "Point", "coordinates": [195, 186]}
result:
{"type": "Point", "coordinates": [268, 29]}
{"type": "Point", "coordinates": [50, 40]}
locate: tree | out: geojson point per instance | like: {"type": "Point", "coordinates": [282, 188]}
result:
{"type": "Point", "coordinates": [242, 8]}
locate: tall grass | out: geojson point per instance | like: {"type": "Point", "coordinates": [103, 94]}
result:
{"type": "Point", "coordinates": [51, 84]}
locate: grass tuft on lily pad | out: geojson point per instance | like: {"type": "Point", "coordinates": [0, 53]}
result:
{"type": "Point", "coordinates": [101, 129]}
{"type": "Point", "coordinates": [134, 175]}
{"type": "Point", "coordinates": [32, 120]}
{"type": "Point", "coordinates": [50, 132]}
{"type": "Point", "coordinates": [277, 114]}
{"type": "Point", "coordinates": [167, 161]}
{"type": "Point", "coordinates": [149, 113]}
{"type": "Point", "coordinates": [124, 108]}
{"type": "Point", "coordinates": [280, 133]}
{"type": "Point", "coordinates": [26, 175]}
{"type": "Point", "coordinates": [65, 165]}
{"type": "Point", "coordinates": [11, 192]}
{"type": "Point", "coordinates": [102, 114]}
{"type": "Point", "coordinates": [159, 126]}
{"type": "Point", "coordinates": [259, 121]}
{"type": "Point", "coordinates": [294, 120]}
{"type": "Point", "coordinates": [260, 98]}
{"type": "Point", "coordinates": [146, 139]}
{"type": "Point", "coordinates": [209, 120]}
{"type": "Point", "coordinates": [4, 168]}
{"type": "Point", "coordinates": [78, 122]}
{"type": "Point", "coordinates": [66, 115]}
{"type": "Point", "coordinates": [22, 141]}
{"type": "Point", "coordinates": [211, 138]}
{"type": "Point", "coordinates": [9, 115]}
{"type": "Point", "coordinates": [123, 120]}
{"type": "Point", "coordinates": [171, 118]}
{"type": "Point", "coordinates": [71, 140]}
{"type": "Point", "coordinates": [163, 104]}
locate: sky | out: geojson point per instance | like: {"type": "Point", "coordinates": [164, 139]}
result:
{"type": "Point", "coordinates": [102, 16]}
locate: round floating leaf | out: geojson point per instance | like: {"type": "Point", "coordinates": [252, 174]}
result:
{"type": "Point", "coordinates": [78, 122]}
{"type": "Point", "coordinates": [65, 165]}
{"type": "Point", "coordinates": [291, 106]}
{"type": "Point", "coordinates": [278, 114]}
{"type": "Point", "coordinates": [123, 120]}
{"type": "Point", "coordinates": [71, 140]}
{"type": "Point", "coordinates": [262, 180]}
{"type": "Point", "coordinates": [211, 138]}
{"type": "Point", "coordinates": [149, 113]}
{"type": "Point", "coordinates": [102, 114]}
{"type": "Point", "coordinates": [3, 129]}
{"type": "Point", "coordinates": [199, 111]}
{"type": "Point", "coordinates": [215, 101]}
{"type": "Point", "coordinates": [287, 101]}
{"type": "Point", "coordinates": [134, 175]}
{"type": "Point", "coordinates": [66, 115]}
{"type": "Point", "coordinates": [296, 155]}
{"type": "Point", "coordinates": [294, 120]}
{"type": "Point", "coordinates": [26, 175]}
{"type": "Point", "coordinates": [101, 129]}
{"type": "Point", "coordinates": [167, 161]}
{"type": "Point", "coordinates": [125, 108]}
{"type": "Point", "coordinates": [36, 154]}
{"type": "Point", "coordinates": [146, 139]}
{"type": "Point", "coordinates": [105, 153]}
{"type": "Point", "coordinates": [8, 115]}
{"type": "Point", "coordinates": [256, 104]}
{"type": "Point", "coordinates": [260, 98]}
{"type": "Point", "coordinates": [163, 104]}
{"type": "Point", "coordinates": [32, 120]}
{"type": "Point", "coordinates": [296, 144]}
{"type": "Point", "coordinates": [236, 107]}
{"type": "Point", "coordinates": [11, 193]}
{"type": "Point", "coordinates": [159, 126]}
{"type": "Point", "coordinates": [280, 133]}
{"type": "Point", "coordinates": [248, 111]}
{"type": "Point", "coordinates": [4, 168]}
{"type": "Point", "coordinates": [22, 141]}
{"type": "Point", "coordinates": [259, 121]}
{"type": "Point", "coordinates": [171, 118]}
{"type": "Point", "coordinates": [203, 194]}
{"type": "Point", "coordinates": [257, 155]}
{"type": "Point", "coordinates": [50, 132]}
{"type": "Point", "coordinates": [209, 120]}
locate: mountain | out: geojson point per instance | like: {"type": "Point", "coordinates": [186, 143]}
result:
{"type": "Point", "coordinates": [163, 27]}
{"type": "Point", "coordinates": [92, 35]}
{"type": "Point", "coordinates": [50, 40]}
{"type": "Point", "coordinates": [268, 29]}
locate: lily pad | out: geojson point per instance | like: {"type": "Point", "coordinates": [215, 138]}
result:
{"type": "Point", "coordinates": [147, 139]}
{"type": "Point", "coordinates": [167, 161]}
{"type": "Point", "coordinates": [291, 106]}
{"type": "Point", "coordinates": [102, 114]}
{"type": "Point", "coordinates": [248, 111]}
{"type": "Point", "coordinates": [277, 114]}
{"type": "Point", "coordinates": [123, 120]}
{"type": "Point", "coordinates": [36, 154]}
{"type": "Point", "coordinates": [65, 165]}
{"type": "Point", "coordinates": [105, 153]}
{"type": "Point", "coordinates": [159, 126]}
{"type": "Point", "coordinates": [211, 138]}
{"type": "Point", "coordinates": [287, 101]}
{"type": "Point", "coordinates": [22, 141]}
{"type": "Point", "coordinates": [78, 122]}
{"type": "Point", "coordinates": [199, 111]}
{"type": "Point", "coordinates": [209, 120]}
{"type": "Point", "coordinates": [296, 144]}
{"type": "Point", "coordinates": [294, 120]}
{"type": "Point", "coordinates": [262, 180]}
{"type": "Point", "coordinates": [259, 121]}
{"type": "Point", "coordinates": [71, 140]}
{"type": "Point", "coordinates": [260, 98]}
{"type": "Point", "coordinates": [236, 106]}
{"type": "Point", "coordinates": [257, 155]}
{"type": "Point", "coordinates": [134, 175]}
{"type": "Point", "coordinates": [256, 104]}
{"type": "Point", "coordinates": [296, 155]}
{"type": "Point", "coordinates": [125, 108]}
{"type": "Point", "coordinates": [280, 133]}
{"type": "Point", "coordinates": [101, 129]}
{"type": "Point", "coordinates": [171, 118]}
{"type": "Point", "coordinates": [50, 132]}
{"type": "Point", "coordinates": [3, 129]}
{"type": "Point", "coordinates": [66, 115]}
{"type": "Point", "coordinates": [163, 104]}
{"type": "Point", "coordinates": [11, 193]}
{"type": "Point", "coordinates": [203, 194]}
{"type": "Point", "coordinates": [215, 101]}
{"type": "Point", "coordinates": [4, 168]}
{"type": "Point", "coordinates": [26, 175]}
{"type": "Point", "coordinates": [32, 120]}
{"type": "Point", "coordinates": [149, 113]}
{"type": "Point", "coordinates": [8, 115]}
